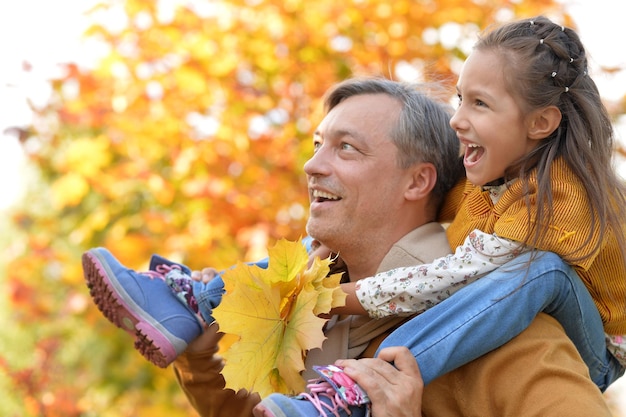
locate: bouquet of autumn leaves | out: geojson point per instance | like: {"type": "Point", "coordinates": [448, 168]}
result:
{"type": "Point", "coordinates": [274, 314]}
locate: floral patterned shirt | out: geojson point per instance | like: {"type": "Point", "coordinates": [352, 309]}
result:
{"type": "Point", "coordinates": [413, 289]}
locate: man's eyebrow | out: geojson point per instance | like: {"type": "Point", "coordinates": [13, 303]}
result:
{"type": "Point", "coordinates": [342, 133]}
{"type": "Point", "coordinates": [355, 134]}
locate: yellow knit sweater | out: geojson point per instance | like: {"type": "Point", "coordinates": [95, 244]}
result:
{"type": "Point", "coordinates": [469, 207]}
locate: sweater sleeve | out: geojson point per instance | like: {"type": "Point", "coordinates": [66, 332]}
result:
{"type": "Point", "coordinates": [199, 376]}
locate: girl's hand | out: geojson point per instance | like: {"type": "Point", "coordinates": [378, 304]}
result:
{"type": "Point", "coordinates": [319, 251]}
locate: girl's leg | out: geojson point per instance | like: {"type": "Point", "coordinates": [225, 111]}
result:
{"type": "Point", "coordinates": [491, 311]}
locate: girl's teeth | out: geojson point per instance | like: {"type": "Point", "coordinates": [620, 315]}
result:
{"type": "Point", "coordinates": [472, 154]}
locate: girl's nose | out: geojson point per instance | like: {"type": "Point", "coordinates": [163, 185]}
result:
{"type": "Point", "coordinates": [458, 121]}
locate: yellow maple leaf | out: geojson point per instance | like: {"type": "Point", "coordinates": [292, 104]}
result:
{"type": "Point", "coordinates": [274, 313]}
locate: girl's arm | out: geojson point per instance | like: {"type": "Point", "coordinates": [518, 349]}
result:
{"type": "Point", "coordinates": [411, 290]}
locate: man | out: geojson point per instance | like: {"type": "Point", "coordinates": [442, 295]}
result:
{"type": "Point", "coordinates": [375, 195]}
{"type": "Point", "coordinates": [374, 199]}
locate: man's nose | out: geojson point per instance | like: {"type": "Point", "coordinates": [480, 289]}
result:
{"type": "Point", "coordinates": [319, 163]}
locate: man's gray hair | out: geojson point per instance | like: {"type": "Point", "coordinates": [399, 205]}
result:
{"type": "Point", "coordinates": [422, 133]}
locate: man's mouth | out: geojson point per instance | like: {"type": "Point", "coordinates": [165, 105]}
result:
{"type": "Point", "coordinates": [321, 196]}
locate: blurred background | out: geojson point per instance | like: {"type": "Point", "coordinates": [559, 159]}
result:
{"type": "Point", "coordinates": [180, 128]}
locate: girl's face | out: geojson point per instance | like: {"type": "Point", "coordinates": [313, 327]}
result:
{"type": "Point", "coordinates": [490, 124]}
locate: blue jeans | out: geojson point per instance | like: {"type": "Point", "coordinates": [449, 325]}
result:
{"type": "Point", "coordinates": [494, 309]}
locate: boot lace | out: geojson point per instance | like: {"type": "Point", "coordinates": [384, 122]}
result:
{"type": "Point", "coordinates": [178, 281]}
{"type": "Point", "coordinates": [161, 271]}
{"type": "Point", "coordinates": [321, 389]}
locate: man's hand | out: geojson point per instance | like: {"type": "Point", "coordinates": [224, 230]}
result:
{"type": "Point", "coordinates": [211, 336]}
{"type": "Point", "coordinates": [208, 340]}
{"type": "Point", "coordinates": [395, 390]}
{"type": "Point", "coordinates": [206, 275]}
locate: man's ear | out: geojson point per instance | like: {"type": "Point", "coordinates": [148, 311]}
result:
{"type": "Point", "coordinates": [543, 122]}
{"type": "Point", "coordinates": [423, 179]}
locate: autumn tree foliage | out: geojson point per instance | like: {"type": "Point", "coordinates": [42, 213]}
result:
{"type": "Point", "coordinates": [187, 138]}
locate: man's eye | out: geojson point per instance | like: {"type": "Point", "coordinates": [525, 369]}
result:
{"type": "Point", "coordinates": [346, 146]}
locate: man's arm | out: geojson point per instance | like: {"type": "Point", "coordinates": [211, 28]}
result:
{"type": "Point", "coordinates": [198, 373]}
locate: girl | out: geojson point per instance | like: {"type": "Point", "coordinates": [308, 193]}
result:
{"type": "Point", "coordinates": [538, 147]}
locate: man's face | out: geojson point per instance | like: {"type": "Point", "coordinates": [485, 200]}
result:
{"type": "Point", "coordinates": [354, 180]}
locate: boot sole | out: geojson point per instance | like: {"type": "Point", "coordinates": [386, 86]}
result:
{"type": "Point", "coordinates": [120, 310]}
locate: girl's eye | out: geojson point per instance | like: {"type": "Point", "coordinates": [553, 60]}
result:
{"type": "Point", "coordinates": [480, 103]}
{"type": "Point", "coordinates": [459, 100]}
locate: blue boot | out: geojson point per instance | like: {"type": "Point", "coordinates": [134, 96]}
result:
{"type": "Point", "coordinates": [143, 304]}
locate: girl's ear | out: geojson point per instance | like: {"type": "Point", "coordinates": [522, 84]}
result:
{"type": "Point", "coordinates": [543, 122]}
{"type": "Point", "coordinates": [422, 181]}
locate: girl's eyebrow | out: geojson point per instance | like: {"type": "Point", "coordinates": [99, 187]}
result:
{"type": "Point", "coordinates": [482, 93]}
